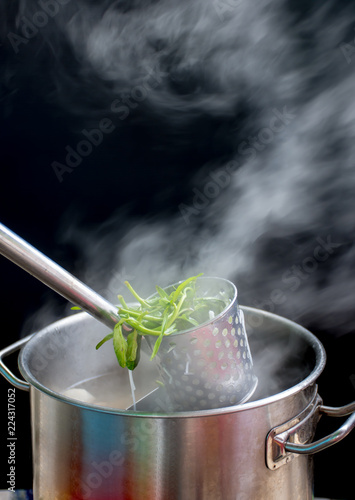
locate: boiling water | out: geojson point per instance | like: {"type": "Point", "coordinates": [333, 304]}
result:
{"type": "Point", "coordinates": [133, 388]}
{"type": "Point", "coordinates": [106, 390]}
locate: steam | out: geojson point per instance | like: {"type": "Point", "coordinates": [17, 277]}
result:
{"type": "Point", "coordinates": [272, 208]}
{"type": "Point", "coordinates": [280, 220]}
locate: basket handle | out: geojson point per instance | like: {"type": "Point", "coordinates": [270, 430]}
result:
{"type": "Point", "coordinates": [6, 372]}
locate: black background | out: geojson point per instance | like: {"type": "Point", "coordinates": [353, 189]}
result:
{"type": "Point", "coordinates": [125, 172]}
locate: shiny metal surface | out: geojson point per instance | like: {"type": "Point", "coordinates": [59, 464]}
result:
{"type": "Point", "coordinates": [323, 443]}
{"type": "Point", "coordinates": [208, 366]}
{"type": "Point", "coordinates": [82, 451]}
{"type": "Point", "coordinates": [299, 429]}
{"type": "Point", "coordinates": [83, 454]}
{"type": "Point", "coordinates": [59, 356]}
{"type": "Point", "coordinates": [215, 381]}
{"type": "Point", "coordinates": [51, 274]}
{"type": "Point", "coordinates": [6, 372]}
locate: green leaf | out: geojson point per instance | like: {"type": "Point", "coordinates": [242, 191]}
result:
{"type": "Point", "coordinates": [162, 292]}
{"type": "Point", "coordinates": [105, 339]}
{"type": "Point", "coordinates": [141, 328]}
{"type": "Point", "coordinates": [135, 294]}
{"type": "Point", "coordinates": [133, 349]}
{"type": "Point", "coordinates": [120, 345]}
{"type": "Point", "coordinates": [157, 345]}
{"type": "Point", "coordinates": [121, 299]}
{"type": "Point", "coordinates": [160, 315]}
{"type": "Point", "coordinates": [190, 320]}
{"type": "Point", "coordinates": [183, 285]}
{"type": "Point", "coordinates": [132, 345]}
{"type": "Point", "coordinates": [165, 321]}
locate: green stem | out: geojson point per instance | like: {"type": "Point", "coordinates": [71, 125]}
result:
{"type": "Point", "coordinates": [138, 314]}
{"type": "Point", "coordinates": [141, 328]}
{"type": "Point", "coordinates": [135, 294]}
{"type": "Point", "coordinates": [182, 286]}
{"type": "Point", "coordinates": [177, 310]}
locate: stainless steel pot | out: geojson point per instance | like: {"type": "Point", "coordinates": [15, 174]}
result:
{"type": "Point", "coordinates": [261, 449]}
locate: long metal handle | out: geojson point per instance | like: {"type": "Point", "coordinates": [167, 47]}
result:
{"type": "Point", "coordinates": [20, 384]}
{"type": "Point", "coordinates": [321, 444]}
{"type": "Point", "coordinates": [51, 274]}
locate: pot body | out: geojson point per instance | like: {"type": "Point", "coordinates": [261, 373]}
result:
{"type": "Point", "coordinates": [82, 454]}
{"type": "Point", "coordinates": [82, 451]}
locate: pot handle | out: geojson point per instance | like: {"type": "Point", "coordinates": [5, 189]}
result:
{"type": "Point", "coordinates": [4, 370]}
{"type": "Point", "coordinates": [309, 448]}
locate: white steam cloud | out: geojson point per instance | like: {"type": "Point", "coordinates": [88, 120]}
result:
{"type": "Point", "coordinates": [275, 210]}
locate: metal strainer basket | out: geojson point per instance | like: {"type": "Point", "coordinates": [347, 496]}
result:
{"type": "Point", "coordinates": [209, 366]}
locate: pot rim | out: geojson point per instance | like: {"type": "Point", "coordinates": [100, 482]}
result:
{"type": "Point", "coordinates": [308, 381]}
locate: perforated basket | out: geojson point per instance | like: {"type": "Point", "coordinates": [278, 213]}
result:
{"type": "Point", "coordinates": [209, 366]}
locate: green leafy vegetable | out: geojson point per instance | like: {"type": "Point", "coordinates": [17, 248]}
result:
{"type": "Point", "coordinates": [161, 315]}
{"type": "Point", "coordinates": [120, 345]}
{"type": "Point", "coordinates": [133, 349]}
{"type": "Point", "coordinates": [105, 339]}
